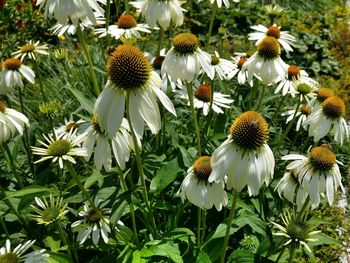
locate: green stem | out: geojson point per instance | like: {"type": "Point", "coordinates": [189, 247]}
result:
{"type": "Point", "coordinates": [127, 9]}
{"type": "Point", "coordinates": [204, 219]}
{"type": "Point", "coordinates": [64, 240]}
{"type": "Point", "coordinates": [302, 210]}
{"type": "Point", "coordinates": [262, 93]}
{"type": "Point", "coordinates": [291, 253]}
{"type": "Point", "coordinates": [295, 139]}
{"type": "Point", "coordinates": [211, 23]}
{"type": "Point", "coordinates": [89, 59]}
{"type": "Point", "coordinates": [252, 94]}
{"type": "Point", "coordinates": [25, 138]}
{"type": "Point", "coordinates": [229, 224]}
{"type": "Point", "coordinates": [194, 114]}
{"type": "Point", "coordinates": [278, 109]}
{"type": "Point", "coordinates": [290, 123]}
{"type": "Point", "coordinates": [3, 226]}
{"type": "Point", "coordinates": [199, 220]}
{"type": "Point", "coordinates": [5, 149]}
{"type": "Point", "coordinates": [140, 169]}
{"type": "Point", "coordinates": [132, 210]}
{"type": "Point", "coordinates": [161, 40]}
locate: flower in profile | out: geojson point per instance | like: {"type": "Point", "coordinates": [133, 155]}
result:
{"type": "Point", "coordinates": [328, 117]}
{"type": "Point", "coordinates": [10, 122]}
{"type": "Point", "coordinates": [321, 95]}
{"type": "Point", "coordinates": [266, 64]}
{"type": "Point", "coordinates": [294, 76]}
{"type": "Point", "coordinates": [219, 2]}
{"type": "Point", "coordinates": [297, 231]}
{"type": "Point", "coordinates": [239, 60]}
{"type": "Point", "coordinates": [185, 59]}
{"type": "Point", "coordinates": [223, 67]}
{"type": "Point", "coordinates": [61, 53]}
{"type": "Point", "coordinates": [69, 127]}
{"type": "Point", "coordinates": [202, 98]}
{"type": "Point", "coordinates": [17, 254]}
{"type": "Point", "coordinates": [161, 11]}
{"type": "Point", "coordinates": [317, 173]}
{"type": "Point", "coordinates": [290, 188]}
{"type": "Point", "coordinates": [76, 11]}
{"type": "Point", "coordinates": [12, 72]}
{"type": "Point", "coordinates": [286, 40]}
{"type": "Point", "coordinates": [196, 188]}
{"type": "Point", "coordinates": [303, 112]}
{"type": "Point", "coordinates": [47, 212]}
{"type": "Point", "coordinates": [60, 149]}
{"type": "Point", "coordinates": [126, 29]}
{"type": "Point", "coordinates": [95, 223]}
{"type": "Point", "coordinates": [96, 141]}
{"type": "Point", "coordinates": [273, 10]}
{"type": "Point", "coordinates": [244, 157]}
{"type": "Point", "coordinates": [130, 79]}
{"type": "Point", "coordinates": [30, 49]}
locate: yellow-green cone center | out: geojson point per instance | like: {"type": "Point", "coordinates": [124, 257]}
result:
{"type": "Point", "coordinates": [322, 158]}
{"type": "Point", "coordinates": [323, 94]}
{"type": "Point", "coordinates": [333, 107]}
{"type": "Point", "coordinates": [128, 68]}
{"type": "Point", "coordinates": [157, 62]}
{"type": "Point", "coordinates": [185, 43]}
{"type": "Point", "coordinates": [9, 257]}
{"type": "Point", "coordinates": [28, 48]}
{"type": "Point", "coordinates": [202, 92]}
{"type": "Point", "coordinates": [2, 107]}
{"type": "Point", "coordinates": [126, 22]}
{"type": "Point", "coordinates": [269, 48]}
{"type": "Point", "coordinates": [249, 131]}
{"type": "Point", "coordinates": [12, 64]}
{"type": "Point", "coordinates": [93, 215]}
{"type": "Point", "coordinates": [215, 60]}
{"type": "Point", "coordinates": [293, 72]}
{"type": "Point", "coordinates": [50, 214]}
{"type": "Point", "coordinates": [304, 89]}
{"type": "Point", "coordinates": [202, 167]}
{"type": "Point", "coordinates": [298, 231]}
{"type": "Point", "coordinates": [274, 31]}
{"type": "Point", "coordinates": [59, 148]}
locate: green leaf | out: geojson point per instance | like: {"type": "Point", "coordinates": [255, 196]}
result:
{"type": "Point", "coordinates": [202, 257]}
{"type": "Point", "coordinates": [165, 176]}
{"type": "Point", "coordinates": [33, 189]}
{"type": "Point", "coordinates": [323, 239]}
{"type": "Point", "coordinates": [136, 257]}
{"type": "Point", "coordinates": [86, 103]}
{"type": "Point", "coordinates": [170, 250]}
{"type": "Point", "coordinates": [58, 258]}
{"type": "Point", "coordinates": [96, 176]}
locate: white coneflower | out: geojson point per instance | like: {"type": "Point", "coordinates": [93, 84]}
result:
{"type": "Point", "coordinates": [30, 49]}
{"type": "Point", "coordinates": [126, 29]}
{"type": "Point", "coordinates": [286, 40]}
{"type": "Point", "coordinates": [290, 188]}
{"type": "Point", "coordinates": [244, 157]}
{"type": "Point", "coordinates": [161, 11]}
{"type": "Point", "coordinates": [273, 10]}
{"type": "Point", "coordinates": [293, 77]}
{"type": "Point", "coordinates": [10, 122]}
{"type": "Point", "coordinates": [266, 64]}
{"type": "Point", "coordinates": [219, 2]}
{"type": "Point", "coordinates": [239, 60]}
{"type": "Point", "coordinates": [95, 223]}
{"type": "Point", "coordinates": [302, 114]}
{"type": "Point", "coordinates": [76, 10]}
{"type": "Point", "coordinates": [97, 142]}
{"type": "Point", "coordinates": [202, 98]}
{"type": "Point", "coordinates": [305, 91]}
{"type": "Point", "coordinates": [12, 72]}
{"type": "Point", "coordinates": [321, 95]}
{"type": "Point", "coordinates": [317, 173]}
{"type": "Point", "coordinates": [60, 149]}
{"type": "Point", "coordinates": [329, 116]}
{"type": "Point", "coordinates": [130, 77]}
{"type": "Point", "coordinates": [69, 127]}
{"type": "Point", "coordinates": [297, 231]}
{"type": "Point", "coordinates": [47, 212]}
{"type": "Point", "coordinates": [17, 254]}
{"type": "Point", "coordinates": [185, 59]}
{"type": "Point", "coordinates": [196, 188]}
{"type": "Point", "coordinates": [223, 67]}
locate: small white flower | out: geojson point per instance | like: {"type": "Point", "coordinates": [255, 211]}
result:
{"type": "Point", "coordinates": [69, 127]}
{"type": "Point", "coordinates": [317, 173]}
{"type": "Point", "coordinates": [196, 188]}
{"type": "Point", "coordinates": [239, 61]}
{"type": "Point", "coordinates": [60, 149]}
{"type": "Point", "coordinates": [202, 98]}
{"type": "Point", "coordinates": [219, 2]}
{"type": "Point", "coordinates": [17, 255]}
{"type": "Point", "coordinates": [185, 59]}
{"type": "Point", "coordinates": [223, 67]}
{"type": "Point", "coordinates": [302, 114]}
{"type": "Point", "coordinates": [12, 72]}
{"type": "Point", "coordinates": [285, 39]}
{"type": "Point", "coordinates": [30, 49]}
{"type": "Point", "coordinates": [161, 11]}
{"type": "Point", "coordinates": [10, 122]}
